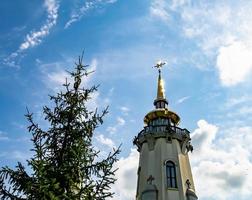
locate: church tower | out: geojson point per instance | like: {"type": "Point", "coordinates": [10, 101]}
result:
{"type": "Point", "coordinates": [164, 171]}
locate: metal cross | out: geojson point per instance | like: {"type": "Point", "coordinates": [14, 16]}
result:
{"type": "Point", "coordinates": [160, 64]}
{"type": "Point", "coordinates": [150, 179]}
{"type": "Point", "coordinates": [188, 183]}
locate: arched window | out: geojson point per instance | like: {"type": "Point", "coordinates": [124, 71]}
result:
{"type": "Point", "coordinates": [171, 175]}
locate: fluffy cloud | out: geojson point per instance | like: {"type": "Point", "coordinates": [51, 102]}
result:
{"type": "Point", "coordinates": [222, 158]}
{"type": "Point", "coordinates": [221, 29]}
{"type": "Point", "coordinates": [58, 78]}
{"type": "Point", "coordinates": [125, 187]}
{"type": "Point", "coordinates": [204, 135]}
{"type": "Point", "coordinates": [158, 9]}
{"type": "Point", "coordinates": [105, 141]}
{"type": "Point", "coordinates": [125, 110]}
{"type": "Point", "coordinates": [161, 8]}
{"type": "Point", "coordinates": [234, 101]}
{"type": "Point", "coordinates": [119, 123]}
{"type": "Point", "coordinates": [237, 109]}
{"type": "Point", "coordinates": [111, 129]}
{"type": "Point", "coordinates": [234, 63]}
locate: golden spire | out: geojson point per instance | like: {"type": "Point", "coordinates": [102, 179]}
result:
{"type": "Point", "coordinates": [160, 89]}
{"type": "Point", "coordinates": [161, 103]}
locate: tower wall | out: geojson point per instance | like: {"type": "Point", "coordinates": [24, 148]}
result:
{"type": "Point", "coordinates": [152, 162]}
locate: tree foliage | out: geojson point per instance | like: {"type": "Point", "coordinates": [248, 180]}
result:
{"type": "Point", "coordinates": [65, 164]}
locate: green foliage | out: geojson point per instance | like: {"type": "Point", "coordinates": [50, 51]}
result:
{"type": "Point", "coordinates": [65, 165]}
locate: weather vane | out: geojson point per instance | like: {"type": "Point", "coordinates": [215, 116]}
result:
{"type": "Point", "coordinates": [159, 65]}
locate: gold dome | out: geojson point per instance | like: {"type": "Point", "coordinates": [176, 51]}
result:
{"type": "Point", "coordinates": [162, 113]}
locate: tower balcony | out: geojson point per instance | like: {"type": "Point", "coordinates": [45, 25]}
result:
{"type": "Point", "coordinates": [161, 131]}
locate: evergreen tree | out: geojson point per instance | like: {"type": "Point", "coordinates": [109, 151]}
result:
{"type": "Point", "coordinates": [65, 164]}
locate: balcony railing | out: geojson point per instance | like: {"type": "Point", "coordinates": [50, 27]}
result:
{"type": "Point", "coordinates": [164, 129]}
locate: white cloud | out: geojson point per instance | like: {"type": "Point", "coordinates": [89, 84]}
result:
{"type": "Point", "coordinates": [125, 187]}
{"type": "Point", "coordinates": [88, 5]}
{"type": "Point", "coordinates": [204, 135]}
{"type": "Point", "coordinates": [105, 141]}
{"type": "Point", "coordinates": [182, 99]}
{"type": "Point", "coordinates": [119, 123]}
{"type": "Point", "coordinates": [161, 8]}
{"type": "Point", "coordinates": [94, 101]}
{"type": "Point", "coordinates": [35, 37]}
{"type": "Point", "coordinates": [55, 74]}
{"type": "Point", "coordinates": [237, 109]}
{"type": "Point", "coordinates": [221, 29]}
{"type": "Point", "coordinates": [234, 63]}
{"type": "Point", "coordinates": [177, 3]}
{"type": "Point", "coordinates": [245, 110]}
{"type": "Point", "coordinates": [239, 114]}
{"type": "Point", "coordinates": [236, 101]}
{"type": "Point", "coordinates": [58, 78]}
{"type": "Point", "coordinates": [111, 129]}
{"type": "Point", "coordinates": [222, 158]}
{"type": "Point", "coordinates": [158, 9]}
{"type": "Point", "coordinates": [125, 110]}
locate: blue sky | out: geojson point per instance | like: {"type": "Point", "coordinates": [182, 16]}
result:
{"type": "Point", "coordinates": [208, 49]}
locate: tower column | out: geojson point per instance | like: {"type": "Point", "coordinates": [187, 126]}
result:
{"type": "Point", "coordinates": [164, 171]}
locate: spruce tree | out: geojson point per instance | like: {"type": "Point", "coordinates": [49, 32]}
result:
{"type": "Point", "coordinates": [65, 164]}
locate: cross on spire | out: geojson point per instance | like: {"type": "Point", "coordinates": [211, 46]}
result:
{"type": "Point", "coordinates": [160, 89]}
{"type": "Point", "coordinates": [159, 65]}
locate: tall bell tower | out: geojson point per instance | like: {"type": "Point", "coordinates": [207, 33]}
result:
{"type": "Point", "coordinates": [164, 171]}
